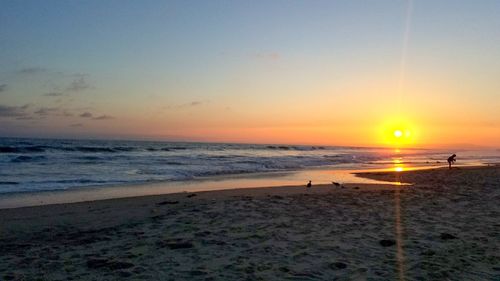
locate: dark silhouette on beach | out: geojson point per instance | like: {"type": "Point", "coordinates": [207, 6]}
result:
{"type": "Point", "coordinates": [309, 184]}
{"type": "Point", "coordinates": [451, 160]}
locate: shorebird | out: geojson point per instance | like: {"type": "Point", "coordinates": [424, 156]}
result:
{"type": "Point", "coordinates": [309, 184]}
{"type": "Point", "coordinates": [337, 184]}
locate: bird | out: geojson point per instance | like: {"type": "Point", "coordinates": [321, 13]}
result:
{"type": "Point", "coordinates": [309, 184]}
{"type": "Point", "coordinates": [336, 184]}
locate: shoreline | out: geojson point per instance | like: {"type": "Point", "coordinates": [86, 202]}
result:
{"type": "Point", "coordinates": [444, 226]}
{"type": "Point", "coordinates": [319, 176]}
{"type": "Point", "coordinates": [383, 180]}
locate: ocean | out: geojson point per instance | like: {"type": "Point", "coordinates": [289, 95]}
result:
{"type": "Point", "coordinates": [33, 165]}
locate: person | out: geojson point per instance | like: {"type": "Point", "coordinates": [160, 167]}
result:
{"type": "Point", "coordinates": [309, 184]}
{"type": "Point", "coordinates": [451, 160]}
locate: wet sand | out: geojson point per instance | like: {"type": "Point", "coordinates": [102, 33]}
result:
{"type": "Point", "coordinates": [443, 227]}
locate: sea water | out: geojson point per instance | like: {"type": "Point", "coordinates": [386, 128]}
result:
{"type": "Point", "coordinates": [31, 165]}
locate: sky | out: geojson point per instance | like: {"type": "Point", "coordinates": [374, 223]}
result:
{"type": "Point", "coordinates": [311, 72]}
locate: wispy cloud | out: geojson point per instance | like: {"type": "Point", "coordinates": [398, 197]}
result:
{"type": "Point", "coordinates": [32, 70]}
{"type": "Point", "coordinates": [25, 117]}
{"type": "Point", "coordinates": [67, 114]}
{"type": "Point", "coordinates": [13, 111]}
{"type": "Point", "coordinates": [78, 84]}
{"type": "Point", "coordinates": [103, 117]}
{"type": "Point", "coordinates": [53, 94]}
{"type": "Point", "coordinates": [3, 87]}
{"type": "Point", "coordinates": [184, 105]}
{"type": "Point", "coordinates": [193, 103]}
{"type": "Point", "coordinates": [89, 115]}
{"type": "Point", "coordinates": [43, 111]}
{"type": "Point", "coordinates": [86, 115]}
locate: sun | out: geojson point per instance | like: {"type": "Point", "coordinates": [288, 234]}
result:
{"type": "Point", "coordinates": [401, 136]}
{"type": "Point", "coordinates": [398, 133]}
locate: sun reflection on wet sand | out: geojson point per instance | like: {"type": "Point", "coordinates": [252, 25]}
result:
{"type": "Point", "coordinates": [398, 165]}
{"type": "Point", "coordinates": [400, 259]}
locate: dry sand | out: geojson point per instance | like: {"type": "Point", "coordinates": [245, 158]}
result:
{"type": "Point", "coordinates": [444, 227]}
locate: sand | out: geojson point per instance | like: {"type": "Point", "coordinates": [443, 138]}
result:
{"type": "Point", "coordinates": [446, 226]}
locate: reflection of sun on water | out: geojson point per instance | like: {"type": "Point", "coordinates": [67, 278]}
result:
{"type": "Point", "coordinates": [398, 164]}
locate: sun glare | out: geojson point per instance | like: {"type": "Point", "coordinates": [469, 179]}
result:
{"type": "Point", "coordinates": [397, 133]}
{"type": "Point", "coordinates": [401, 137]}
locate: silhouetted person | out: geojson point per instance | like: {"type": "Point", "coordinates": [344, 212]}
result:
{"type": "Point", "coordinates": [451, 160]}
{"type": "Point", "coordinates": [309, 184]}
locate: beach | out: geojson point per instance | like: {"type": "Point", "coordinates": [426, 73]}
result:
{"type": "Point", "coordinates": [236, 140]}
{"type": "Point", "coordinates": [444, 226]}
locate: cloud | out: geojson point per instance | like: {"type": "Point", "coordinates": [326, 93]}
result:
{"type": "Point", "coordinates": [67, 114]}
{"type": "Point", "coordinates": [43, 111]}
{"type": "Point", "coordinates": [100, 117]}
{"type": "Point", "coordinates": [78, 84]}
{"type": "Point", "coordinates": [195, 103]}
{"type": "Point", "coordinates": [3, 87]}
{"type": "Point", "coordinates": [103, 117]}
{"type": "Point", "coordinates": [185, 105]}
{"type": "Point", "coordinates": [53, 94]}
{"type": "Point", "coordinates": [86, 115]}
{"type": "Point", "coordinates": [13, 111]}
{"type": "Point", "coordinates": [26, 117]}
{"type": "Point", "coordinates": [76, 125]}
{"type": "Point", "coordinates": [32, 70]}
{"type": "Point", "coordinates": [191, 104]}
{"type": "Point", "coordinates": [23, 112]}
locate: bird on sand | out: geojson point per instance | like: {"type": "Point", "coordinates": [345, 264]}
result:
{"type": "Point", "coordinates": [309, 184]}
{"type": "Point", "coordinates": [337, 184]}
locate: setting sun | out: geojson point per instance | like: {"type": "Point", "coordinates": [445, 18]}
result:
{"type": "Point", "coordinates": [398, 133]}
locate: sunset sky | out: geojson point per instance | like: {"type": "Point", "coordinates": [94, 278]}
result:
{"type": "Point", "coordinates": [313, 72]}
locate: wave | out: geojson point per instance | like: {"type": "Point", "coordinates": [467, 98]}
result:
{"type": "Point", "coordinates": [79, 181]}
{"type": "Point", "coordinates": [8, 182]}
{"type": "Point", "coordinates": [298, 148]}
{"type": "Point", "coordinates": [20, 147]}
{"type": "Point", "coordinates": [124, 148]}
{"type": "Point", "coordinates": [64, 164]}
{"type": "Point", "coordinates": [24, 158]}
{"type": "Point", "coordinates": [92, 149]}
{"type": "Point", "coordinates": [24, 149]}
{"type": "Point", "coordinates": [159, 149]}
{"type": "Point", "coordinates": [45, 148]}
{"type": "Point", "coordinates": [90, 158]}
